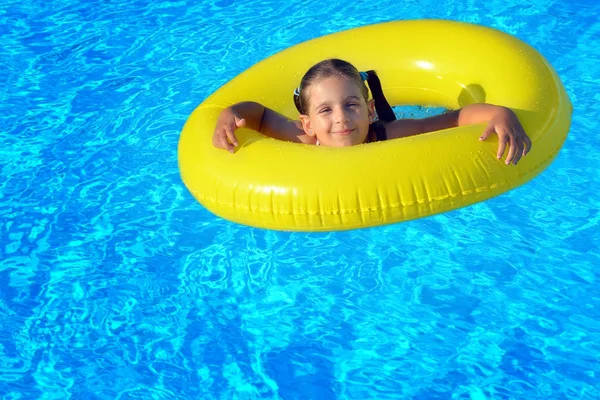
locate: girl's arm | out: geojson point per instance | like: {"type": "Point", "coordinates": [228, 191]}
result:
{"type": "Point", "coordinates": [259, 118]}
{"type": "Point", "coordinates": [501, 120]}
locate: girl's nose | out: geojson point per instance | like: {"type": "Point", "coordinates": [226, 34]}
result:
{"type": "Point", "coordinates": [341, 116]}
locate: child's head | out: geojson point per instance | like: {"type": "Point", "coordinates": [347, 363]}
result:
{"type": "Point", "coordinates": [333, 102]}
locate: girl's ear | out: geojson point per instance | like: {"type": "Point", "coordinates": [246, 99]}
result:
{"type": "Point", "coordinates": [306, 125]}
{"type": "Point", "coordinates": [371, 109]}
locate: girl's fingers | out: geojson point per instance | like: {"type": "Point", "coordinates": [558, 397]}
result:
{"type": "Point", "coordinates": [226, 140]}
{"type": "Point", "coordinates": [224, 136]}
{"type": "Point", "coordinates": [511, 150]}
{"type": "Point", "coordinates": [519, 150]}
{"type": "Point", "coordinates": [487, 131]}
{"type": "Point", "coordinates": [231, 136]}
{"type": "Point", "coordinates": [527, 147]}
{"type": "Point", "coordinates": [502, 140]}
{"type": "Point", "coordinates": [240, 122]}
{"type": "Point", "coordinates": [220, 140]}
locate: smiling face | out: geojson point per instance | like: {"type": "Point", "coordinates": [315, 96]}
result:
{"type": "Point", "coordinates": [338, 114]}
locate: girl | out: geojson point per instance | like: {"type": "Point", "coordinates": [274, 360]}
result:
{"type": "Point", "coordinates": [335, 110]}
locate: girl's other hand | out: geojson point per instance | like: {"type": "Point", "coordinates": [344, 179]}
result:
{"type": "Point", "coordinates": [510, 132]}
{"type": "Point", "coordinates": [224, 137]}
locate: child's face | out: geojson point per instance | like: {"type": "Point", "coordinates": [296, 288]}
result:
{"type": "Point", "coordinates": [338, 114]}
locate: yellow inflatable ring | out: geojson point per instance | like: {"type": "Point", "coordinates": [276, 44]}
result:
{"type": "Point", "coordinates": [273, 184]}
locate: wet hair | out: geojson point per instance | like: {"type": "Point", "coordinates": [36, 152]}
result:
{"type": "Point", "coordinates": [336, 67]}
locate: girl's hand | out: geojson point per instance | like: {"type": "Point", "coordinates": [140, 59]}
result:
{"type": "Point", "coordinates": [224, 137]}
{"type": "Point", "coordinates": [506, 124]}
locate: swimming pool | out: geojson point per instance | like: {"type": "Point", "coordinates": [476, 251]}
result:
{"type": "Point", "coordinates": [115, 283]}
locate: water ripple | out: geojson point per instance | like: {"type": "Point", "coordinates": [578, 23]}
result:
{"type": "Point", "coordinates": [115, 283]}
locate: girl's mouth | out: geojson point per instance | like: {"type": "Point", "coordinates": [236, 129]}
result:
{"type": "Point", "coordinates": [344, 132]}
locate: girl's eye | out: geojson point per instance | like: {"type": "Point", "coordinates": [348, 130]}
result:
{"type": "Point", "coordinates": [324, 110]}
{"type": "Point", "coordinates": [351, 104]}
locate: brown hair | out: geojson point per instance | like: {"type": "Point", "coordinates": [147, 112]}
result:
{"type": "Point", "coordinates": [333, 67]}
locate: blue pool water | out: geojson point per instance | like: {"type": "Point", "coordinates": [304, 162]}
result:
{"type": "Point", "coordinates": [116, 284]}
